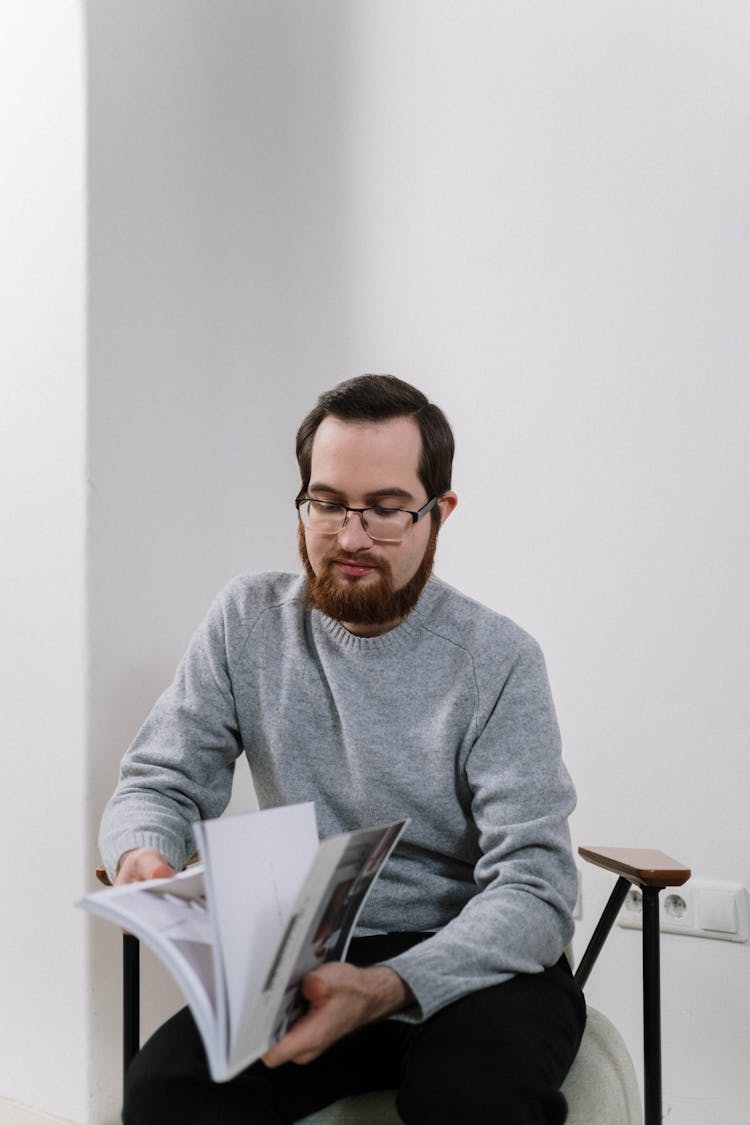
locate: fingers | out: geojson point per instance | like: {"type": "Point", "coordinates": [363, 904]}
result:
{"type": "Point", "coordinates": [298, 1045]}
{"type": "Point", "coordinates": [334, 995]}
{"type": "Point", "coordinates": [140, 864]}
{"type": "Point", "coordinates": [162, 871]}
{"type": "Point", "coordinates": [308, 1038]}
{"type": "Point", "coordinates": [316, 1030]}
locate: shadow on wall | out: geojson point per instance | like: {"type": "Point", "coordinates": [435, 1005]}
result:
{"type": "Point", "coordinates": [217, 180]}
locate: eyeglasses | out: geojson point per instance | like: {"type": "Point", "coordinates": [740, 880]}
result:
{"type": "Point", "coordinates": [383, 525]}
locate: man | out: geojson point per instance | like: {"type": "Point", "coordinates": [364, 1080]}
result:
{"type": "Point", "coordinates": [379, 692]}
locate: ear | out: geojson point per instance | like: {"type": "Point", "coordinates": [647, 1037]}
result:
{"type": "Point", "coordinates": [446, 504]}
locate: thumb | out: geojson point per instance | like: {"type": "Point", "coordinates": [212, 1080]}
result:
{"type": "Point", "coordinates": [315, 989]}
{"type": "Point", "coordinates": [162, 871]}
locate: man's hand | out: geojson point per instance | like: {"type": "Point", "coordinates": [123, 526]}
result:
{"type": "Point", "coordinates": [140, 864]}
{"type": "Point", "coordinates": [341, 998]}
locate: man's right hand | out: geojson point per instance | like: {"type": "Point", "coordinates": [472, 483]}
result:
{"type": "Point", "coordinates": [140, 864]}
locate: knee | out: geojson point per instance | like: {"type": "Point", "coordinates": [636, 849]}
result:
{"type": "Point", "coordinates": [149, 1097]}
{"type": "Point", "coordinates": [451, 1098]}
{"type": "Point", "coordinates": [165, 1081]}
{"type": "Point", "coordinates": [172, 1091]}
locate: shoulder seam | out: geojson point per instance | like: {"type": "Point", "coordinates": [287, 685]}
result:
{"type": "Point", "coordinates": [469, 653]}
{"type": "Point", "coordinates": [261, 613]}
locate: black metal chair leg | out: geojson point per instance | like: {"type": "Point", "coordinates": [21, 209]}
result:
{"type": "Point", "coordinates": [651, 1008]}
{"type": "Point", "coordinates": [599, 936]}
{"type": "Point", "coordinates": [131, 984]}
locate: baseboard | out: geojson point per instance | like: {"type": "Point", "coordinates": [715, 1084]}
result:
{"type": "Point", "coordinates": [13, 1113]}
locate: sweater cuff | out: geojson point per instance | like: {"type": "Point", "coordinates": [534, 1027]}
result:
{"type": "Point", "coordinates": [435, 983]}
{"type": "Point", "coordinates": [112, 849]}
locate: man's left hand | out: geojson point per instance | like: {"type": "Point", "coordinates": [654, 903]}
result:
{"type": "Point", "coordinates": [341, 998]}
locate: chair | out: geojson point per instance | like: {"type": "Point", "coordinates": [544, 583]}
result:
{"type": "Point", "coordinates": [601, 1088]}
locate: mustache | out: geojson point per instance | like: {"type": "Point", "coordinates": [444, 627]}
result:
{"type": "Point", "coordinates": [355, 560]}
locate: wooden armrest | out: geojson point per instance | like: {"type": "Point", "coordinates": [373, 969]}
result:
{"type": "Point", "coordinates": [642, 866]}
{"type": "Point", "coordinates": [103, 877]}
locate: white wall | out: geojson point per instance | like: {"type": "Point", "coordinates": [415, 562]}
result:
{"type": "Point", "coordinates": [43, 844]}
{"type": "Point", "coordinates": [537, 212]}
{"type": "Point", "coordinates": [215, 292]}
{"type": "Point", "coordinates": [549, 215]}
{"type": "Point", "coordinates": [547, 226]}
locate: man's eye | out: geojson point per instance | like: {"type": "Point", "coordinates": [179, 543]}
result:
{"type": "Point", "coordinates": [325, 506]}
{"type": "Point", "coordinates": [386, 513]}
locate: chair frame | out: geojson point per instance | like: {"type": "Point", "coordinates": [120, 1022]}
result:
{"type": "Point", "coordinates": [651, 871]}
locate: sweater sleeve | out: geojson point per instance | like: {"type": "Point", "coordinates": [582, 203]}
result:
{"type": "Point", "coordinates": [520, 919]}
{"type": "Point", "coordinates": [179, 768]}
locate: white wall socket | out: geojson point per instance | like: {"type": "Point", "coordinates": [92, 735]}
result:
{"type": "Point", "coordinates": [700, 908]}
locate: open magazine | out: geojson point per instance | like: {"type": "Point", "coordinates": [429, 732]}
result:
{"type": "Point", "coordinates": [238, 931]}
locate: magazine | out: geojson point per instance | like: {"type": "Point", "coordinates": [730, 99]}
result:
{"type": "Point", "coordinates": [238, 931]}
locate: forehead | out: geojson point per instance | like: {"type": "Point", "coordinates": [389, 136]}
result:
{"type": "Point", "coordinates": [367, 456]}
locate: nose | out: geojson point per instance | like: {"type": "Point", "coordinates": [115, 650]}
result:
{"type": "Point", "coordinates": [353, 536]}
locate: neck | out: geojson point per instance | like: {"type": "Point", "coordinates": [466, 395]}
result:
{"type": "Point", "coordinates": [371, 630]}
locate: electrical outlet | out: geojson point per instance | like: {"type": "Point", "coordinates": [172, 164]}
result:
{"type": "Point", "coordinates": [700, 908]}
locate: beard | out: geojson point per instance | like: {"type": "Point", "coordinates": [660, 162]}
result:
{"type": "Point", "coordinates": [373, 605]}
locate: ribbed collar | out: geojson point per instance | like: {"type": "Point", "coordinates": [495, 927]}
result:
{"type": "Point", "coordinates": [402, 636]}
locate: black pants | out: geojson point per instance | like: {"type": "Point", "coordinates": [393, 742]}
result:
{"type": "Point", "coordinates": [494, 1057]}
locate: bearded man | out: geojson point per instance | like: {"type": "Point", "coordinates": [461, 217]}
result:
{"type": "Point", "coordinates": [379, 692]}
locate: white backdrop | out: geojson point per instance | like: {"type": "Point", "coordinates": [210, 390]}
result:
{"type": "Point", "coordinates": [539, 214]}
{"type": "Point", "coordinates": [43, 823]}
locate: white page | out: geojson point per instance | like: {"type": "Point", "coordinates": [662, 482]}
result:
{"type": "Point", "coordinates": [347, 888]}
{"type": "Point", "coordinates": [166, 920]}
{"type": "Point", "coordinates": [256, 865]}
{"type": "Point", "coordinates": [277, 1000]}
{"type": "Point", "coordinates": [321, 922]}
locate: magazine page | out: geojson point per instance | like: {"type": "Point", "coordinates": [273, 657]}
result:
{"type": "Point", "coordinates": [320, 925]}
{"type": "Point", "coordinates": [170, 916]}
{"type": "Point", "coordinates": [255, 864]}
{"type": "Point", "coordinates": [345, 894]}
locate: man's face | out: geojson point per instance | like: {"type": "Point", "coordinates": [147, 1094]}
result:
{"type": "Point", "coordinates": [369, 586]}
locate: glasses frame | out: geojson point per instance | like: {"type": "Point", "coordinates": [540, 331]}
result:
{"type": "Point", "coordinates": [415, 516]}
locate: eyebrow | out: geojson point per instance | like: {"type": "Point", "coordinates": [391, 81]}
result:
{"type": "Point", "coordinates": [371, 497]}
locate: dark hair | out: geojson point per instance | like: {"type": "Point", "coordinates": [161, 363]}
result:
{"type": "Point", "coordinates": [376, 398]}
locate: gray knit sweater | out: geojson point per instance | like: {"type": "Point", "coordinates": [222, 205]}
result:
{"type": "Point", "coordinates": [446, 719]}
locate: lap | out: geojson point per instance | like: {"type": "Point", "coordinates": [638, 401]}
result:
{"type": "Point", "coordinates": [168, 1082]}
{"type": "Point", "coordinates": [514, 1041]}
{"type": "Point", "coordinates": [500, 1054]}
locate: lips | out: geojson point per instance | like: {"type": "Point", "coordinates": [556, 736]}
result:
{"type": "Point", "coordinates": [355, 570]}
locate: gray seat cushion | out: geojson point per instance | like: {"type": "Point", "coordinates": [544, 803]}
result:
{"type": "Point", "coordinates": [601, 1086]}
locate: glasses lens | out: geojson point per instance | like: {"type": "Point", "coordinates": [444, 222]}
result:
{"type": "Point", "coordinates": [388, 525]}
{"type": "Point", "coordinates": [326, 519]}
